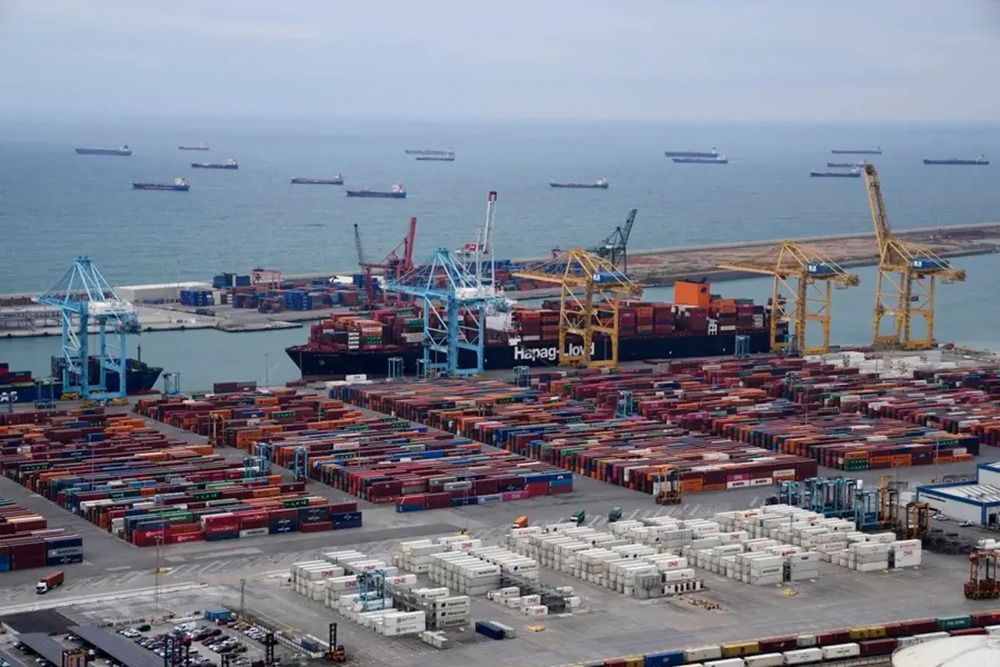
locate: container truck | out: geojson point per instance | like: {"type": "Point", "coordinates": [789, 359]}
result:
{"type": "Point", "coordinates": [50, 581]}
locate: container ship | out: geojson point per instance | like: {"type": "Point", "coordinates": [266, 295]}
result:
{"type": "Point", "coordinates": [846, 165]}
{"type": "Point", "coordinates": [140, 378]}
{"type": "Point", "coordinates": [857, 151]}
{"type": "Point", "coordinates": [436, 158]}
{"type": "Point", "coordinates": [697, 324]}
{"type": "Point", "coordinates": [835, 174]}
{"type": "Point", "coordinates": [719, 159]}
{"type": "Point", "coordinates": [179, 185]}
{"type": "Point", "coordinates": [124, 151]}
{"type": "Point", "coordinates": [711, 153]}
{"type": "Point", "coordinates": [336, 180]}
{"type": "Point", "coordinates": [429, 151]}
{"type": "Point", "coordinates": [199, 147]}
{"type": "Point", "coordinates": [979, 161]}
{"type": "Point", "coordinates": [599, 184]}
{"type": "Point", "coordinates": [397, 192]}
{"type": "Point", "coordinates": [228, 164]}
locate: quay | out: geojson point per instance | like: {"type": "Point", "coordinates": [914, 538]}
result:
{"type": "Point", "coordinates": [20, 317]}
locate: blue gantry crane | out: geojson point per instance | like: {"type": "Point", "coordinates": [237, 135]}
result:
{"type": "Point", "coordinates": [85, 299]}
{"type": "Point", "coordinates": [456, 296]}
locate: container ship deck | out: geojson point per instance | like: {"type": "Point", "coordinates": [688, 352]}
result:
{"type": "Point", "coordinates": [140, 379]}
{"type": "Point", "coordinates": [697, 324]}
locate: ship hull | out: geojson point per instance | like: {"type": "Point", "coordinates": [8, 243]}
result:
{"type": "Point", "coordinates": [434, 158]}
{"type": "Point", "coordinates": [318, 181]}
{"type": "Point", "coordinates": [833, 174]}
{"type": "Point", "coordinates": [138, 381]}
{"type": "Point", "coordinates": [845, 165]}
{"type": "Point", "coordinates": [580, 186]}
{"type": "Point", "coordinates": [192, 148]}
{"type": "Point", "coordinates": [376, 195]}
{"type": "Point", "coordinates": [700, 160]}
{"type": "Point", "coordinates": [161, 186]}
{"type": "Point", "coordinates": [535, 354]}
{"type": "Point", "coordinates": [959, 163]}
{"type": "Point", "coordinates": [426, 151]}
{"type": "Point", "coordinates": [103, 151]}
{"type": "Point", "coordinates": [700, 154]}
{"type": "Point", "coordinates": [855, 152]}
{"type": "Point", "coordinates": [203, 165]}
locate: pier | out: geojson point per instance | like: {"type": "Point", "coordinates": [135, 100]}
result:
{"type": "Point", "coordinates": [19, 316]}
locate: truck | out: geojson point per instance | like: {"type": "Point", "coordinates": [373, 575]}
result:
{"type": "Point", "coordinates": [50, 581]}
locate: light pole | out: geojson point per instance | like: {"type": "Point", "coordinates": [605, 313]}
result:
{"type": "Point", "coordinates": [267, 370]}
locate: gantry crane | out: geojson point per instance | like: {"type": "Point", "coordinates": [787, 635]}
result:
{"type": "Point", "coordinates": [267, 277]}
{"type": "Point", "coordinates": [84, 298]}
{"type": "Point", "coordinates": [615, 247]}
{"type": "Point", "coordinates": [398, 262]}
{"type": "Point", "coordinates": [579, 271]}
{"type": "Point", "coordinates": [815, 277]}
{"type": "Point", "coordinates": [456, 299]}
{"type": "Point", "coordinates": [907, 273]}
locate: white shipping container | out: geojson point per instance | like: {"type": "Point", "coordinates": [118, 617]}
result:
{"type": "Point", "coordinates": [702, 653]}
{"type": "Point", "coordinates": [726, 662]}
{"type": "Point", "coordinates": [803, 656]}
{"type": "Point", "coordinates": [765, 660]}
{"type": "Point", "coordinates": [842, 651]}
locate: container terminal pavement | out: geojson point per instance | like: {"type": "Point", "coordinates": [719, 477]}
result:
{"type": "Point", "coordinates": [600, 621]}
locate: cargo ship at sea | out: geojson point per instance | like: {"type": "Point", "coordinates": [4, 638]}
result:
{"type": "Point", "coordinates": [140, 378]}
{"type": "Point", "coordinates": [846, 165]}
{"type": "Point", "coordinates": [857, 151]}
{"type": "Point", "coordinates": [436, 158]}
{"type": "Point", "coordinates": [397, 192]}
{"type": "Point", "coordinates": [835, 174]}
{"type": "Point", "coordinates": [711, 153]}
{"type": "Point", "coordinates": [719, 159]}
{"type": "Point", "coordinates": [124, 151]}
{"type": "Point", "coordinates": [199, 147]}
{"type": "Point", "coordinates": [429, 151]}
{"type": "Point", "coordinates": [980, 161]}
{"type": "Point", "coordinates": [599, 184]}
{"type": "Point", "coordinates": [697, 324]}
{"type": "Point", "coordinates": [179, 185]}
{"type": "Point", "coordinates": [336, 180]}
{"type": "Point", "coordinates": [228, 164]}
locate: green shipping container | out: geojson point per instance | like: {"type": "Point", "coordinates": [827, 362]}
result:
{"type": "Point", "coordinates": [945, 623]}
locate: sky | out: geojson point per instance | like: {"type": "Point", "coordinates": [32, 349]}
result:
{"type": "Point", "coordinates": [644, 60]}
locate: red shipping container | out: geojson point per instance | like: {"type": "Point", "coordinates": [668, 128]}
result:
{"type": "Point", "coordinates": [181, 538]}
{"type": "Point", "coordinates": [436, 501]}
{"type": "Point", "coordinates": [340, 508]}
{"type": "Point", "coordinates": [537, 489]}
{"type": "Point", "coordinates": [554, 490]}
{"type": "Point", "coordinates": [315, 527]}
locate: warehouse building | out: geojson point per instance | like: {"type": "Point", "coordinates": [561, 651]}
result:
{"type": "Point", "coordinates": [978, 502]}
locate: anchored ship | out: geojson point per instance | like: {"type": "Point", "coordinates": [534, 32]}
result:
{"type": "Point", "coordinates": [354, 343]}
{"type": "Point", "coordinates": [719, 159]}
{"type": "Point", "coordinates": [228, 164]}
{"type": "Point", "coordinates": [139, 379]}
{"type": "Point", "coordinates": [711, 153]}
{"type": "Point", "coordinates": [857, 151]}
{"type": "Point", "coordinates": [397, 192]}
{"type": "Point", "coordinates": [436, 158]}
{"type": "Point", "coordinates": [599, 184]}
{"type": "Point", "coordinates": [336, 180]}
{"type": "Point", "coordinates": [199, 147]}
{"type": "Point", "coordinates": [429, 151]}
{"type": "Point", "coordinates": [979, 161]}
{"type": "Point", "coordinates": [124, 151]}
{"type": "Point", "coordinates": [835, 174]}
{"type": "Point", "coordinates": [179, 185]}
{"type": "Point", "coordinates": [847, 165]}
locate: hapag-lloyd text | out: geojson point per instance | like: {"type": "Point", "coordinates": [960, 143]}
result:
{"type": "Point", "coordinates": [548, 353]}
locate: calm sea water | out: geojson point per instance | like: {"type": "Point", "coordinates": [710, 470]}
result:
{"type": "Point", "coordinates": [55, 205]}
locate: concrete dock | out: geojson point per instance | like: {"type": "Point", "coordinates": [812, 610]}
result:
{"type": "Point", "coordinates": [653, 268]}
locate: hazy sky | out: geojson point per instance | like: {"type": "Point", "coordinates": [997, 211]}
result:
{"type": "Point", "coordinates": [634, 59]}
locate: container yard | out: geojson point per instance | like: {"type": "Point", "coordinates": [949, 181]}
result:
{"type": "Point", "coordinates": [146, 489]}
{"type": "Point", "coordinates": [26, 542]}
{"type": "Point", "coordinates": [394, 461]}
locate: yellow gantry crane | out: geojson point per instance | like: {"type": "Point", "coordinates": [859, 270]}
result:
{"type": "Point", "coordinates": [591, 293]}
{"type": "Point", "coordinates": [814, 277]}
{"type": "Point", "coordinates": [907, 273]}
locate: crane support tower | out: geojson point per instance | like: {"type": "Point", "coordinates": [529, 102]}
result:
{"type": "Point", "coordinates": [809, 277]}
{"type": "Point", "coordinates": [602, 286]}
{"type": "Point", "coordinates": [907, 275]}
{"type": "Point", "coordinates": [615, 247]}
{"type": "Point", "coordinates": [84, 299]}
{"type": "Point", "coordinates": [398, 262]}
{"type": "Point", "coordinates": [456, 299]}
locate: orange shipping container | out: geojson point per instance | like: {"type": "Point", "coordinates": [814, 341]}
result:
{"type": "Point", "coordinates": [692, 294]}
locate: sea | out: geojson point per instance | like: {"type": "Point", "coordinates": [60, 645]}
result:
{"type": "Point", "coordinates": [56, 205]}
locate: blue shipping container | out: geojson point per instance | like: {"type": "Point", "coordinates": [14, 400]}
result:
{"type": "Point", "coordinates": [64, 560]}
{"type": "Point", "coordinates": [410, 508]}
{"type": "Point", "coordinates": [488, 629]}
{"type": "Point", "coordinates": [663, 659]}
{"type": "Point", "coordinates": [216, 537]}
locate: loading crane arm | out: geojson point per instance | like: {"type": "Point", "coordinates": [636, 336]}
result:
{"type": "Point", "coordinates": [615, 247]}
{"type": "Point", "coordinates": [594, 311]}
{"type": "Point", "coordinates": [907, 277]}
{"type": "Point", "coordinates": [809, 277]}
